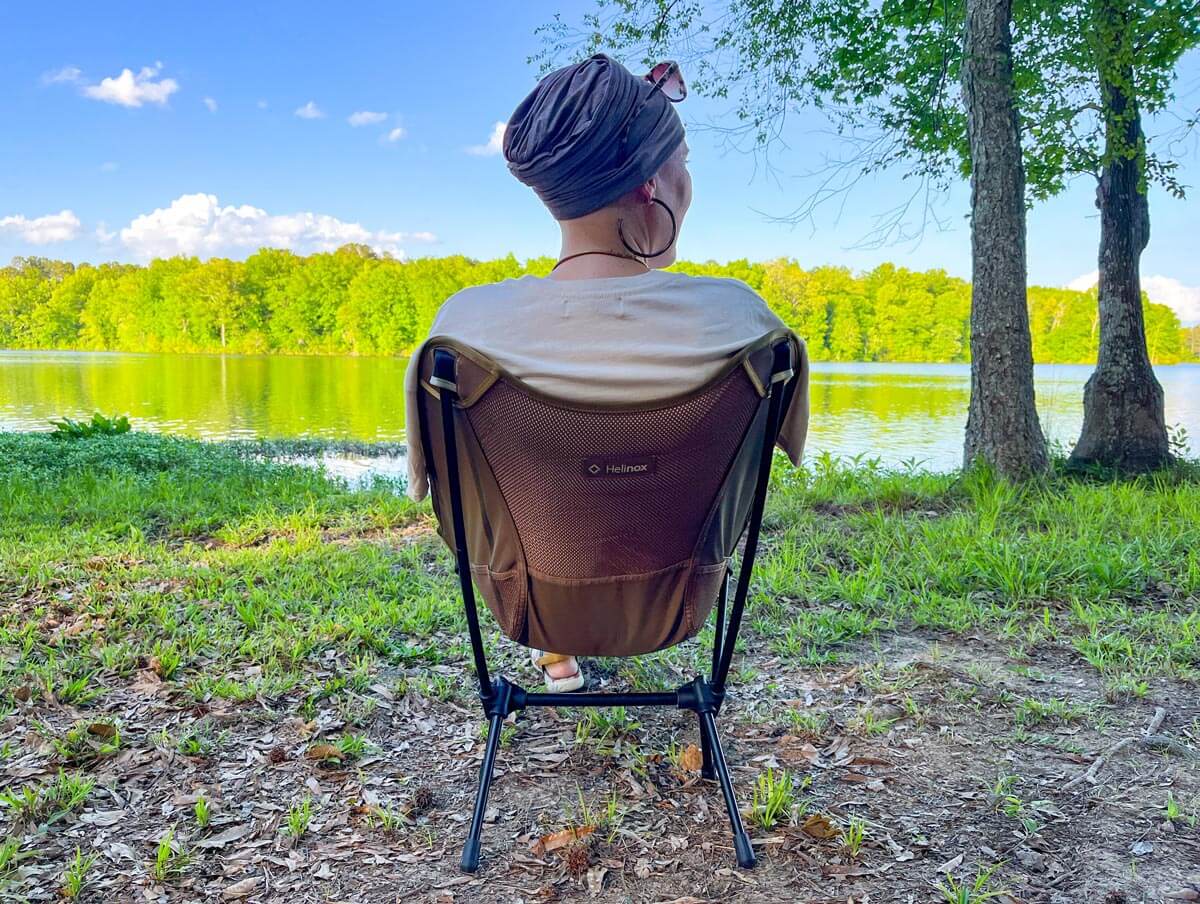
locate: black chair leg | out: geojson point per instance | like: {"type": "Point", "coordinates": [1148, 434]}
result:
{"type": "Point", "coordinates": [741, 841]}
{"type": "Point", "coordinates": [706, 769]}
{"type": "Point", "coordinates": [470, 856]}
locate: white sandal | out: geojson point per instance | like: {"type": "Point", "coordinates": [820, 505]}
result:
{"type": "Point", "coordinates": [541, 659]}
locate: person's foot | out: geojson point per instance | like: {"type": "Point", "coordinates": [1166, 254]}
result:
{"type": "Point", "coordinates": [562, 673]}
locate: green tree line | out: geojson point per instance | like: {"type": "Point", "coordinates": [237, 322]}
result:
{"type": "Point", "coordinates": [351, 301]}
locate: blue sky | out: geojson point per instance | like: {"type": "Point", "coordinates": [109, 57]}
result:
{"type": "Point", "coordinates": [214, 156]}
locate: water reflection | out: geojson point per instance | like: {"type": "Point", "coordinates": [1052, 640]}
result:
{"type": "Point", "coordinates": [896, 412]}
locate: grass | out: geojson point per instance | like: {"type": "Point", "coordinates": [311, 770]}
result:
{"type": "Point", "coordinates": [171, 859]}
{"type": "Point", "coordinates": [231, 577]}
{"type": "Point", "coordinates": [44, 804]}
{"type": "Point", "coordinates": [202, 559]}
{"type": "Point", "coordinates": [75, 875]}
{"type": "Point", "coordinates": [774, 798]}
{"type": "Point", "coordinates": [298, 818]}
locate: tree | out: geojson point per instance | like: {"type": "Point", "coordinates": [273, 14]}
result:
{"type": "Point", "coordinates": [1132, 47]}
{"type": "Point", "coordinates": [56, 324]}
{"type": "Point", "coordinates": [1002, 421]}
{"type": "Point", "coordinates": [212, 297]}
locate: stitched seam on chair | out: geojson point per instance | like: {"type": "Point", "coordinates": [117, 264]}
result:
{"type": "Point", "coordinates": [633, 577]}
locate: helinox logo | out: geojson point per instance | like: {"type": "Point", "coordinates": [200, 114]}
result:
{"type": "Point", "coordinates": [618, 467]}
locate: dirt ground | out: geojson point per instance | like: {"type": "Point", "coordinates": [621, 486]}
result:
{"type": "Point", "coordinates": [927, 744]}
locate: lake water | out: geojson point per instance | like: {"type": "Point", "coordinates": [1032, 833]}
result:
{"type": "Point", "coordinates": [896, 412]}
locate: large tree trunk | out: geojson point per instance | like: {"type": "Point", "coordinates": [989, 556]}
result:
{"type": "Point", "coordinates": [1123, 424]}
{"type": "Point", "coordinates": [1002, 422]}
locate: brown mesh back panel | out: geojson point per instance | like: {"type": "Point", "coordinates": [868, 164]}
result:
{"type": "Point", "coordinates": [575, 523]}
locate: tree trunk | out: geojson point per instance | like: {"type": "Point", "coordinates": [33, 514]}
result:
{"type": "Point", "coordinates": [1123, 421]}
{"type": "Point", "coordinates": [1002, 422]}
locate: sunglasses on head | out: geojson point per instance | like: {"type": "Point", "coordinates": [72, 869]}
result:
{"type": "Point", "coordinates": [665, 77]}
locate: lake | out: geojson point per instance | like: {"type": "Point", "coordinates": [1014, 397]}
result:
{"type": "Point", "coordinates": [896, 412]}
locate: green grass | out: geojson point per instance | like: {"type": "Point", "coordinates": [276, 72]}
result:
{"type": "Point", "coordinates": [231, 575]}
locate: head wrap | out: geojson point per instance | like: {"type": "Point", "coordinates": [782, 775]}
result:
{"type": "Point", "coordinates": [564, 139]}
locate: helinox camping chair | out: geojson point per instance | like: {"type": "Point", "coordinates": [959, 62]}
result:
{"type": "Point", "coordinates": [601, 530]}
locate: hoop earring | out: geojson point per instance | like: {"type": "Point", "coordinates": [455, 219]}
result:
{"type": "Point", "coordinates": [665, 248]}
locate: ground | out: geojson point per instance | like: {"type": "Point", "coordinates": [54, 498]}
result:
{"type": "Point", "coordinates": [229, 679]}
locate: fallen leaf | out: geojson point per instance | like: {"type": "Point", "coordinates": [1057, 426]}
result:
{"type": "Point", "coordinates": [103, 817]}
{"type": "Point", "coordinates": [692, 759]}
{"type": "Point", "coordinates": [229, 835]}
{"type": "Point", "coordinates": [323, 752]}
{"type": "Point", "coordinates": [102, 729]}
{"type": "Point", "coordinates": [818, 825]}
{"type": "Point", "coordinates": [555, 840]}
{"type": "Point", "coordinates": [950, 865]}
{"type": "Point", "coordinates": [241, 889]}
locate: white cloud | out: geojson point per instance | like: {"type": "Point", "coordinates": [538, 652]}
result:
{"type": "Point", "coordinates": [1084, 282]}
{"type": "Point", "coordinates": [495, 143]}
{"type": "Point", "coordinates": [103, 235]}
{"type": "Point", "coordinates": [211, 104]}
{"type": "Point", "coordinates": [262, 105]}
{"type": "Point", "coordinates": [129, 90]}
{"type": "Point", "coordinates": [198, 224]}
{"type": "Point", "coordinates": [310, 111]}
{"type": "Point", "coordinates": [365, 118]}
{"type": "Point", "coordinates": [1183, 300]}
{"type": "Point", "coordinates": [54, 227]}
{"type": "Point", "coordinates": [396, 134]}
{"type": "Point", "coordinates": [109, 166]}
{"type": "Point", "coordinates": [68, 74]}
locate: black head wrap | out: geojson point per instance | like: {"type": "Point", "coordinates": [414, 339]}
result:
{"type": "Point", "coordinates": [564, 139]}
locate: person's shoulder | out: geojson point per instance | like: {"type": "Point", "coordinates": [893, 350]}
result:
{"type": "Point", "coordinates": [470, 299]}
{"type": "Point", "coordinates": [729, 286]}
{"type": "Point", "coordinates": [729, 291]}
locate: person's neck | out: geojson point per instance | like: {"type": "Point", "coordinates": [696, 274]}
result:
{"type": "Point", "coordinates": [605, 257]}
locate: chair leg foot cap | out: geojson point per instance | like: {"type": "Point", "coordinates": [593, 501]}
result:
{"type": "Point", "coordinates": [745, 854]}
{"type": "Point", "coordinates": [470, 857]}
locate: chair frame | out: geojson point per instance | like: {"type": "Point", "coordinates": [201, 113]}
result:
{"type": "Point", "coordinates": [703, 696]}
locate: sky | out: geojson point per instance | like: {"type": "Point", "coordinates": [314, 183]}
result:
{"type": "Point", "coordinates": [132, 130]}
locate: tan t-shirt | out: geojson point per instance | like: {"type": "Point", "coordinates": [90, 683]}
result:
{"type": "Point", "coordinates": [611, 339]}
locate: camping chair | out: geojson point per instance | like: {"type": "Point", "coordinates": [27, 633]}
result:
{"type": "Point", "coordinates": [602, 530]}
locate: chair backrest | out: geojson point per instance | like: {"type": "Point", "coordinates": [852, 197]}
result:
{"type": "Point", "coordinates": [598, 529]}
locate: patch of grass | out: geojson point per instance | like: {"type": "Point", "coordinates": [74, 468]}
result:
{"type": "Point", "coordinates": [352, 746]}
{"type": "Point", "coordinates": [200, 738]}
{"type": "Point", "coordinates": [86, 741]}
{"type": "Point", "coordinates": [10, 858]}
{"type": "Point", "coordinates": [1053, 710]}
{"type": "Point", "coordinates": [75, 875]}
{"type": "Point", "coordinates": [298, 818]}
{"type": "Point", "coordinates": [976, 891]}
{"type": "Point", "coordinates": [599, 728]}
{"type": "Point", "coordinates": [774, 799]}
{"type": "Point", "coordinates": [854, 835]}
{"type": "Point", "coordinates": [202, 813]}
{"type": "Point", "coordinates": [171, 858]}
{"type": "Point", "coordinates": [39, 805]}
{"type": "Point", "coordinates": [807, 724]}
